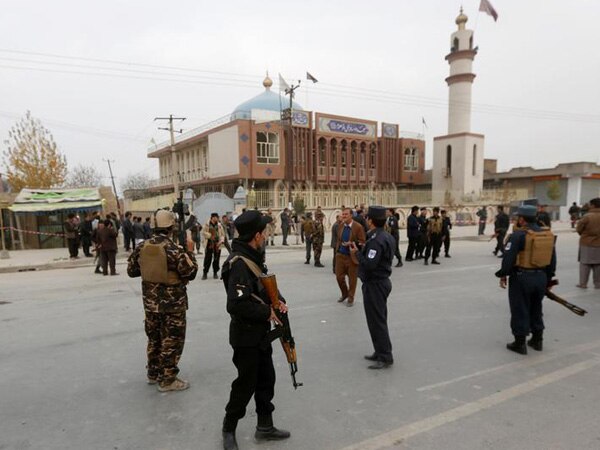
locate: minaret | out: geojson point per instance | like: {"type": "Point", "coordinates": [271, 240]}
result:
{"type": "Point", "coordinates": [458, 156]}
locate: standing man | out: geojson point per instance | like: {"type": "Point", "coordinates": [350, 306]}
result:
{"type": "Point", "coordinates": [482, 214]}
{"type": "Point", "coordinates": [166, 269]}
{"type": "Point", "coordinates": [394, 229]}
{"type": "Point", "coordinates": [71, 227]}
{"type": "Point", "coordinates": [423, 222]}
{"type": "Point", "coordinates": [346, 266]}
{"type": "Point", "coordinates": [434, 237]}
{"type": "Point", "coordinates": [446, 227]}
{"type": "Point", "coordinates": [307, 228]}
{"type": "Point", "coordinates": [574, 211]}
{"type": "Point", "coordinates": [318, 238]}
{"type": "Point", "coordinates": [543, 217]}
{"type": "Point", "coordinates": [412, 232]}
{"type": "Point", "coordinates": [107, 241]}
{"type": "Point", "coordinates": [501, 225]}
{"type": "Point", "coordinates": [86, 235]}
{"type": "Point", "coordinates": [128, 235]}
{"type": "Point", "coordinates": [214, 235]}
{"type": "Point", "coordinates": [285, 225]}
{"type": "Point", "coordinates": [334, 233]}
{"type": "Point", "coordinates": [251, 316]}
{"type": "Point", "coordinates": [529, 262]}
{"type": "Point", "coordinates": [588, 229]}
{"type": "Point", "coordinates": [374, 269]}
{"type": "Point", "coordinates": [270, 228]}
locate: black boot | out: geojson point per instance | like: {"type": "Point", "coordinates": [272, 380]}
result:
{"type": "Point", "coordinates": [426, 263]}
{"type": "Point", "coordinates": [399, 263]}
{"type": "Point", "coordinates": [229, 441]}
{"type": "Point", "coordinates": [204, 276]}
{"type": "Point", "coordinates": [518, 346]}
{"type": "Point", "coordinates": [307, 261]}
{"type": "Point", "coordinates": [265, 431]}
{"type": "Point", "coordinates": [536, 341]}
{"type": "Point", "coordinates": [318, 264]}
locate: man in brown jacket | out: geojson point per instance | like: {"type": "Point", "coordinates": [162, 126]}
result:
{"type": "Point", "coordinates": [107, 242]}
{"type": "Point", "coordinates": [348, 231]}
{"type": "Point", "coordinates": [588, 228]}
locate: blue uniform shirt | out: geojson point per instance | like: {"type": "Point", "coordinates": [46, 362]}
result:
{"type": "Point", "coordinates": [375, 258]}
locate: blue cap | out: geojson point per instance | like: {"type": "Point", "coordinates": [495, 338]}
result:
{"type": "Point", "coordinates": [527, 211]}
{"type": "Point", "coordinates": [376, 212]}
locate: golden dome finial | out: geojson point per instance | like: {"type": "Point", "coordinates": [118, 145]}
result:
{"type": "Point", "coordinates": [461, 19]}
{"type": "Point", "coordinates": [267, 82]}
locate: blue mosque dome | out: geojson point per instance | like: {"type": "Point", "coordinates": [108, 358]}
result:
{"type": "Point", "coordinates": [268, 100]}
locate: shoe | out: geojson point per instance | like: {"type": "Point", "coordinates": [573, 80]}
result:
{"type": "Point", "coordinates": [341, 299]}
{"type": "Point", "coordinates": [399, 264]}
{"type": "Point", "coordinates": [229, 441]}
{"type": "Point", "coordinates": [176, 385]}
{"type": "Point", "coordinates": [89, 256]}
{"type": "Point", "coordinates": [318, 264]}
{"type": "Point", "coordinates": [152, 380]}
{"type": "Point", "coordinates": [204, 277]}
{"type": "Point", "coordinates": [215, 276]}
{"type": "Point", "coordinates": [409, 259]}
{"type": "Point", "coordinates": [518, 346]}
{"type": "Point", "coordinates": [426, 263]}
{"type": "Point", "coordinates": [537, 341]}
{"type": "Point", "coordinates": [286, 244]}
{"type": "Point", "coordinates": [307, 261]}
{"type": "Point", "coordinates": [350, 303]}
{"type": "Point", "coordinates": [581, 286]}
{"type": "Point", "coordinates": [447, 256]}
{"type": "Point", "coordinates": [116, 273]}
{"type": "Point", "coordinates": [435, 262]}
{"type": "Point", "coordinates": [495, 252]}
{"type": "Point", "coordinates": [271, 434]}
{"type": "Point", "coordinates": [372, 357]}
{"type": "Point", "coordinates": [380, 365]}
{"type": "Point", "coordinates": [98, 271]}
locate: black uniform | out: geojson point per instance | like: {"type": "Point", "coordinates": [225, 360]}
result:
{"type": "Point", "coordinates": [544, 219]}
{"type": "Point", "coordinates": [394, 230]}
{"type": "Point", "coordinates": [252, 351]}
{"type": "Point", "coordinates": [526, 287]}
{"type": "Point", "coordinates": [413, 234]}
{"type": "Point", "coordinates": [423, 223]}
{"type": "Point", "coordinates": [446, 227]}
{"type": "Point", "coordinates": [501, 225]}
{"type": "Point", "coordinates": [374, 270]}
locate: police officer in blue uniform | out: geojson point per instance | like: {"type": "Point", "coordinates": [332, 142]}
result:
{"type": "Point", "coordinates": [374, 270]}
{"type": "Point", "coordinates": [529, 262]}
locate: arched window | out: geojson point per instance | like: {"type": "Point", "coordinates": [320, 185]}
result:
{"type": "Point", "coordinates": [411, 159]}
{"type": "Point", "coordinates": [448, 170]}
{"type": "Point", "coordinates": [373, 158]}
{"type": "Point", "coordinates": [454, 45]}
{"type": "Point", "coordinates": [333, 163]}
{"type": "Point", "coordinates": [474, 159]}
{"type": "Point", "coordinates": [267, 148]}
{"type": "Point", "coordinates": [470, 42]}
{"type": "Point", "coordinates": [322, 146]}
{"type": "Point", "coordinates": [344, 158]}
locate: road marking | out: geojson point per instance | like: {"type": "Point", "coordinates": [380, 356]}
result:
{"type": "Point", "coordinates": [516, 364]}
{"type": "Point", "coordinates": [395, 437]}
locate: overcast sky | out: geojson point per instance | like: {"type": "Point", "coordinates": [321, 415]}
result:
{"type": "Point", "coordinates": [536, 96]}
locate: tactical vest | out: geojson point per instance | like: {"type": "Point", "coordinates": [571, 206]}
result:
{"type": "Point", "coordinates": [538, 250]}
{"type": "Point", "coordinates": [435, 225]}
{"type": "Point", "coordinates": [153, 264]}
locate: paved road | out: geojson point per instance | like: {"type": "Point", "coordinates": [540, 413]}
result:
{"type": "Point", "coordinates": [72, 364]}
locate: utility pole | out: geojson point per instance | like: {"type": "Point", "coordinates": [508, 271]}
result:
{"type": "Point", "coordinates": [287, 115]}
{"type": "Point", "coordinates": [112, 178]}
{"type": "Point", "coordinates": [174, 163]}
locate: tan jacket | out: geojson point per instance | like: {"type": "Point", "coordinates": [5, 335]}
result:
{"type": "Point", "coordinates": [357, 234]}
{"type": "Point", "coordinates": [588, 228]}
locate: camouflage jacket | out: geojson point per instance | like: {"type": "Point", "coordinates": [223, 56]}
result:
{"type": "Point", "coordinates": [318, 235]}
{"type": "Point", "coordinates": [160, 297]}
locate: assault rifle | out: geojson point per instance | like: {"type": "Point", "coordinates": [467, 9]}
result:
{"type": "Point", "coordinates": [570, 306]}
{"type": "Point", "coordinates": [284, 331]}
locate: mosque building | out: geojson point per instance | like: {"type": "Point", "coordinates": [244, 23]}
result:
{"type": "Point", "coordinates": [326, 151]}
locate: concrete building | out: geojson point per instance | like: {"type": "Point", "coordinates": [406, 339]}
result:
{"type": "Point", "coordinates": [458, 156]}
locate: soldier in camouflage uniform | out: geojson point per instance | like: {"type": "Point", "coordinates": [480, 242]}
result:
{"type": "Point", "coordinates": [318, 237]}
{"type": "Point", "coordinates": [165, 268]}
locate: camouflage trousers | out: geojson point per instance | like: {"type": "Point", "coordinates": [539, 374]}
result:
{"type": "Point", "coordinates": [166, 337]}
{"type": "Point", "coordinates": [317, 249]}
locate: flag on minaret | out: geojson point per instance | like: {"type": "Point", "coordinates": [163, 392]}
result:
{"type": "Point", "coordinates": [309, 77]}
{"type": "Point", "coordinates": [487, 8]}
{"type": "Point", "coordinates": [283, 86]}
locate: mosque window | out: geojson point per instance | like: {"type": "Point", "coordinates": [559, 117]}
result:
{"type": "Point", "coordinates": [267, 148]}
{"type": "Point", "coordinates": [470, 42]}
{"type": "Point", "coordinates": [448, 170]}
{"type": "Point", "coordinates": [322, 145]}
{"type": "Point", "coordinates": [474, 159]}
{"type": "Point", "coordinates": [411, 159]}
{"type": "Point", "coordinates": [454, 45]}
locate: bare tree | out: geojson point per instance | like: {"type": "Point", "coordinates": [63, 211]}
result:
{"type": "Point", "coordinates": [32, 159]}
{"type": "Point", "coordinates": [136, 181]}
{"type": "Point", "coordinates": [83, 176]}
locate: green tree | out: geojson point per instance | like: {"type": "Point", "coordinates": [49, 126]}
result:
{"type": "Point", "coordinates": [32, 159]}
{"type": "Point", "coordinates": [299, 206]}
{"type": "Point", "coordinates": [553, 190]}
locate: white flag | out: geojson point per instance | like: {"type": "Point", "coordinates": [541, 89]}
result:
{"type": "Point", "coordinates": [487, 8]}
{"type": "Point", "coordinates": [283, 86]}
